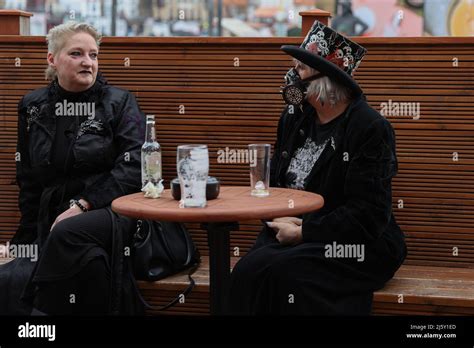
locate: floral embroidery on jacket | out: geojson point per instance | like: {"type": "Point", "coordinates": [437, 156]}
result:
{"type": "Point", "coordinates": [32, 115]}
{"type": "Point", "coordinates": [90, 126]}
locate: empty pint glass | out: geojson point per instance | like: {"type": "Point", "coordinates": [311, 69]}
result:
{"type": "Point", "coordinates": [193, 168]}
{"type": "Point", "coordinates": [259, 155]}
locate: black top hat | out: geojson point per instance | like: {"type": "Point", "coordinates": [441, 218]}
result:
{"type": "Point", "coordinates": [331, 54]}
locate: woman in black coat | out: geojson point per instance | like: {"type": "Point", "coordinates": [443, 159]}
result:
{"type": "Point", "coordinates": [331, 142]}
{"type": "Point", "coordinates": [79, 142]}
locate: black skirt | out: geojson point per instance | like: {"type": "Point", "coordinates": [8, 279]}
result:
{"type": "Point", "coordinates": [301, 280]}
{"type": "Point", "coordinates": [73, 243]}
{"type": "Point", "coordinates": [64, 262]}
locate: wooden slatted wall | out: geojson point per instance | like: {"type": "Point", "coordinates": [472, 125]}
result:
{"type": "Point", "coordinates": [225, 92]}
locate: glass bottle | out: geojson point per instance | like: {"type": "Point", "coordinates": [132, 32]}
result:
{"type": "Point", "coordinates": [151, 155]}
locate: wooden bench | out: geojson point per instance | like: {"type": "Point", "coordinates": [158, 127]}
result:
{"type": "Point", "coordinates": [426, 290]}
{"type": "Point", "coordinates": [225, 92]}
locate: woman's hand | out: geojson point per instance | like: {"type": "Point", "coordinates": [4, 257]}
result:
{"type": "Point", "coordinates": [288, 230]}
{"type": "Point", "coordinates": [289, 219]}
{"type": "Point", "coordinates": [72, 211]}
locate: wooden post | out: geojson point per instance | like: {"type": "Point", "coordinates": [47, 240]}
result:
{"type": "Point", "coordinates": [14, 22]}
{"type": "Point", "coordinates": [308, 18]}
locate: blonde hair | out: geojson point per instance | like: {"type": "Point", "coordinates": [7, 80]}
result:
{"type": "Point", "coordinates": [325, 89]}
{"type": "Point", "coordinates": [58, 36]}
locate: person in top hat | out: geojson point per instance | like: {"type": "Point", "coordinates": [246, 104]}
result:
{"type": "Point", "coordinates": [331, 142]}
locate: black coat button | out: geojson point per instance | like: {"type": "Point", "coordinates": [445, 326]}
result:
{"type": "Point", "coordinates": [284, 154]}
{"type": "Point", "coordinates": [302, 132]}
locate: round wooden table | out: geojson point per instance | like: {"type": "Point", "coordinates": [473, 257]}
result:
{"type": "Point", "coordinates": [220, 215]}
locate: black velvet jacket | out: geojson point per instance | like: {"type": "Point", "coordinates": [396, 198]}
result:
{"type": "Point", "coordinates": [105, 152]}
{"type": "Point", "coordinates": [353, 174]}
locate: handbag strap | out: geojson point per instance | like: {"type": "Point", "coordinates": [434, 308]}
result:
{"type": "Point", "coordinates": [175, 300]}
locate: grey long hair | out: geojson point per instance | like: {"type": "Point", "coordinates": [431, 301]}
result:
{"type": "Point", "coordinates": [326, 90]}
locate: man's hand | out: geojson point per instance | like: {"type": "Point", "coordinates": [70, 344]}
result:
{"type": "Point", "coordinates": [288, 230]}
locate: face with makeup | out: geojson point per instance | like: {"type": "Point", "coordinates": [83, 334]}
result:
{"type": "Point", "coordinates": [76, 63]}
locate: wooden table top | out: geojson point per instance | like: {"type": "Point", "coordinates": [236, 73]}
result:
{"type": "Point", "coordinates": [233, 204]}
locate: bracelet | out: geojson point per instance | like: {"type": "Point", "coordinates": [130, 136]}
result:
{"type": "Point", "coordinates": [79, 204]}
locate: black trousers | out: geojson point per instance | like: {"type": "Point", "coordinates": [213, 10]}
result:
{"type": "Point", "coordinates": [73, 273]}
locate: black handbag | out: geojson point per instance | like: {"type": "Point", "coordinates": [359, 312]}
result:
{"type": "Point", "coordinates": [160, 249]}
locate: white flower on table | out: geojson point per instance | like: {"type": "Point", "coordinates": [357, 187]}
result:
{"type": "Point", "coordinates": [153, 191]}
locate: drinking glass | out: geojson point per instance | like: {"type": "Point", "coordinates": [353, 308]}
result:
{"type": "Point", "coordinates": [259, 155]}
{"type": "Point", "coordinates": [192, 165]}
